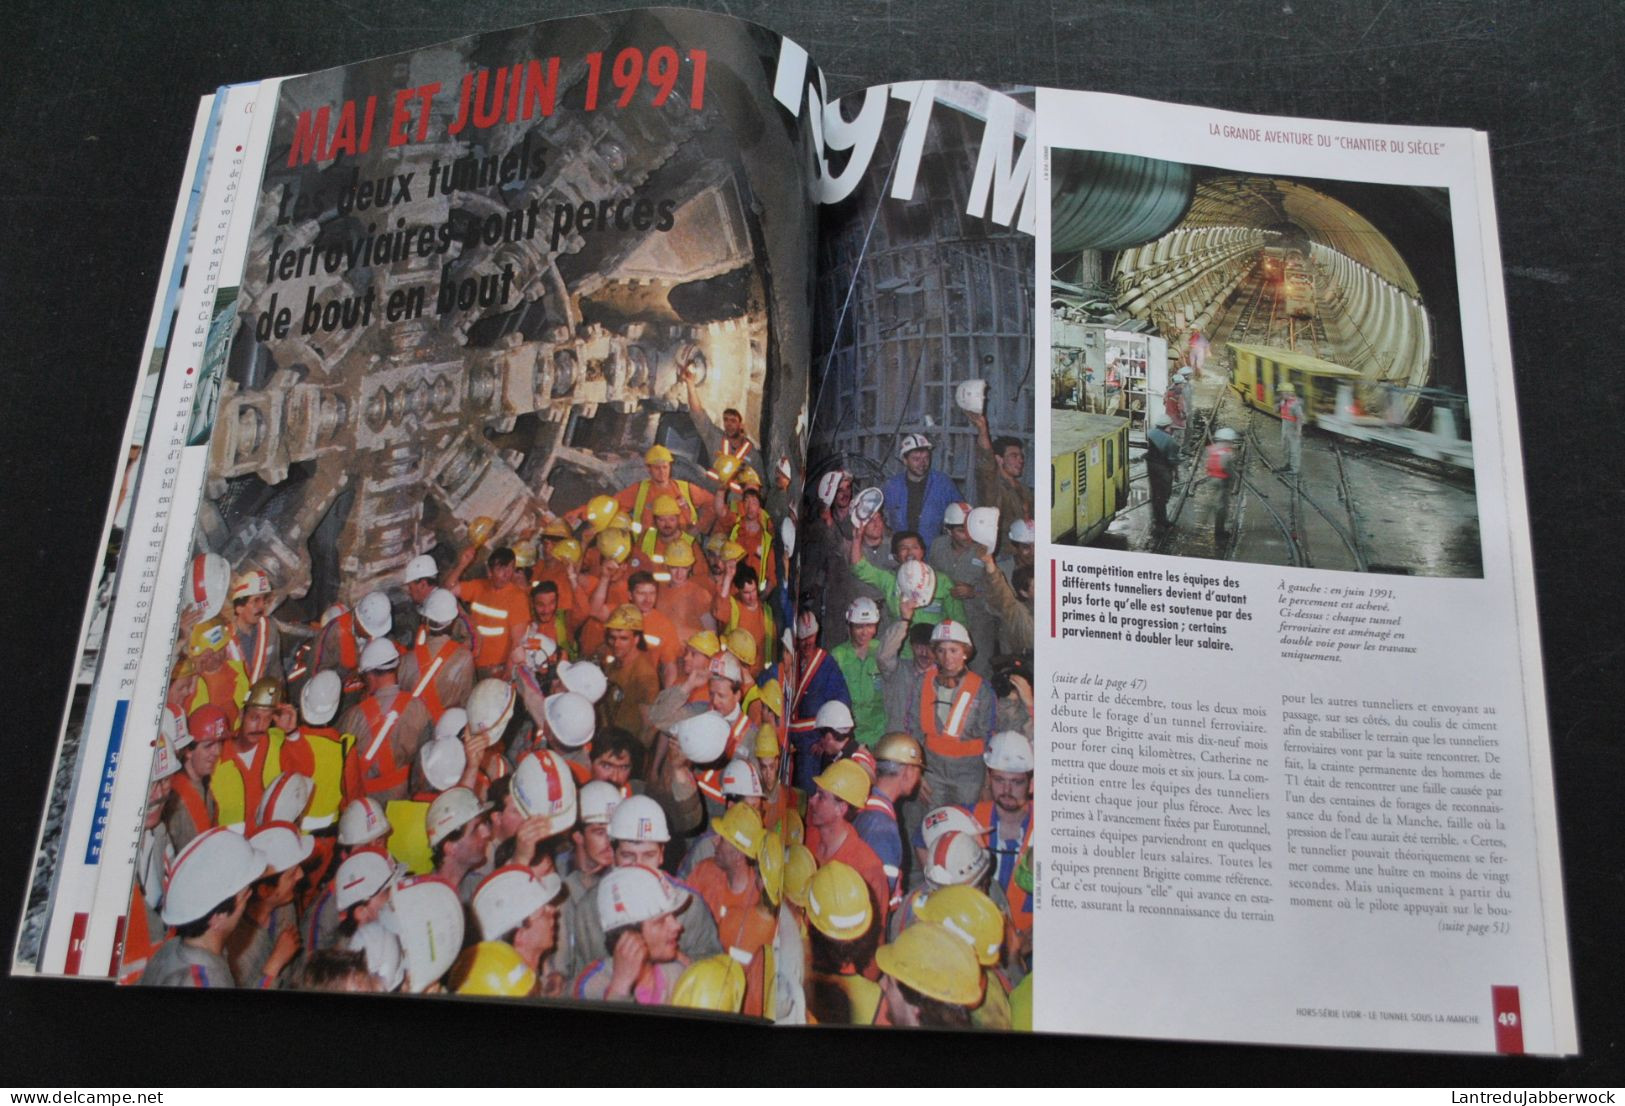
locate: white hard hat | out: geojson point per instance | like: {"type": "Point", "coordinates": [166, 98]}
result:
{"type": "Point", "coordinates": [863, 611]}
{"type": "Point", "coordinates": [210, 583]}
{"type": "Point", "coordinates": [172, 724]}
{"type": "Point", "coordinates": [971, 395]}
{"type": "Point", "coordinates": [955, 514]}
{"type": "Point", "coordinates": [319, 698]}
{"type": "Point", "coordinates": [982, 525]}
{"type": "Point", "coordinates": [282, 845]}
{"type": "Point", "coordinates": [380, 655]}
{"type": "Point", "coordinates": [164, 761]}
{"type": "Point", "coordinates": [250, 583]}
{"type": "Point", "coordinates": [867, 504]}
{"type": "Point", "coordinates": [1022, 532]}
{"type": "Point", "coordinates": [639, 818]}
{"type": "Point", "coordinates": [632, 895]}
{"type": "Point", "coordinates": [428, 918]}
{"type": "Point", "coordinates": [956, 858]}
{"type": "Point", "coordinates": [373, 614]}
{"type": "Point", "coordinates": [490, 706]}
{"type": "Point", "coordinates": [570, 718]}
{"type": "Point", "coordinates": [363, 874]}
{"type": "Point", "coordinates": [725, 666]}
{"type": "Point", "coordinates": [382, 950]}
{"type": "Point", "coordinates": [702, 737]}
{"type": "Point", "coordinates": [949, 819]}
{"type": "Point", "coordinates": [544, 788]}
{"type": "Point", "coordinates": [911, 442]}
{"type": "Point", "coordinates": [451, 811]}
{"type": "Point", "coordinates": [829, 484]}
{"type": "Point", "coordinates": [1225, 434]}
{"type": "Point", "coordinates": [509, 895]}
{"type": "Point", "coordinates": [442, 760]}
{"type": "Point", "coordinates": [1184, 373]}
{"type": "Point", "coordinates": [211, 869]}
{"type": "Point", "coordinates": [285, 800]}
{"type": "Point", "coordinates": [1009, 751]}
{"type": "Point", "coordinates": [916, 582]}
{"type": "Point", "coordinates": [597, 801]}
{"type": "Point", "coordinates": [452, 724]}
{"type": "Point", "coordinates": [439, 608]}
{"type": "Point", "coordinates": [539, 648]}
{"type": "Point", "coordinates": [740, 779]}
{"type": "Point", "coordinates": [835, 715]}
{"type": "Point", "coordinates": [806, 625]}
{"type": "Point", "coordinates": [584, 678]}
{"type": "Point", "coordinates": [949, 630]}
{"type": "Point", "coordinates": [787, 535]}
{"type": "Point", "coordinates": [420, 567]}
{"type": "Point", "coordinates": [1162, 418]}
{"type": "Point", "coordinates": [362, 822]}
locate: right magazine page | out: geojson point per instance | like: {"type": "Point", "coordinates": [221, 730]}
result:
{"type": "Point", "coordinates": [1291, 742]}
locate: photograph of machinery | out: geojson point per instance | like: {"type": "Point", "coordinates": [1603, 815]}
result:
{"type": "Point", "coordinates": [1258, 369]}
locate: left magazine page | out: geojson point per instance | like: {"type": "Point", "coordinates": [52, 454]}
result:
{"type": "Point", "coordinates": [475, 674]}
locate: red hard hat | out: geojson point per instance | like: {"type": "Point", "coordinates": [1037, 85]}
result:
{"type": "Point", "coordinates": [208, 723]}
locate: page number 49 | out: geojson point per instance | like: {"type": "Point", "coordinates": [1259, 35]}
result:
{"type": "Point", "coordinates": [1506, 1018]}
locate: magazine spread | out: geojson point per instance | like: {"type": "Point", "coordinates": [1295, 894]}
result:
{"type": "Point", "coordinates": [598, 545]}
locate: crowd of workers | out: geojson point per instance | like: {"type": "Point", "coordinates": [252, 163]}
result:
{"type": "Point", "coordinates": [625, 758]}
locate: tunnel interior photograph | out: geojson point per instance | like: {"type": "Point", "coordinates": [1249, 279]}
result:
{"type": "Point", "coordinates": [1256, 368]}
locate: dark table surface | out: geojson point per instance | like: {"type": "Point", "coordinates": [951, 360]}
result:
{"type": "Point", "coordinates": [99, 102]}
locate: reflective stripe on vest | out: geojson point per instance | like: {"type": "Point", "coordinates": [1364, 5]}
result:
{"type": "Point", "coordinates": [804, 725]}
{"type": "Point", "coordinates": [482, 614]}
{"type": "Point", "coordinates": [262, 636]}
{"type": "Point", "coordinates": [236, 794]}
{"type": "Point", "coordinates": [643, 498]}
{"type": "Point", "coordinates": [945, 740]}
{"type": "Point", "coordinates": [328, 748]}
{"type": "Point", "coordinates": [197, 807]}
{"type": "Point", "coordinates": [426, 692]}
{"type": "Point", "coordinates": [380, 750]}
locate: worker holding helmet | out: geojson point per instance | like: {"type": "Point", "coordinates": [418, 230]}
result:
{"type": "Point", "coordinates": [952, 707]}
{"type": "Point", "coordinates": [640, 960]}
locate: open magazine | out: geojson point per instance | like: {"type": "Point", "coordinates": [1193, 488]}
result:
{"type": "Point", "coordinates": [593, 543]}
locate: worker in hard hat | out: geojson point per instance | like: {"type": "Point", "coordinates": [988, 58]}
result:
{"type": "Point", "coordinates": [498, 605]}
{"type": "Point", "coordinates": [1176, 405]}
{"type": "Point", "coordinates": [316, 749]}
{"type": "Point", "coordinates": [726, 698]}
{"type": "Point", "coordinates": [685, 597]}
{"type": "Point", "coordinates": [459, 827]}
{"type": "Point", "coordinates": [144, 928]}
{"type": "Point", "coordinates": [438, 670]}
{"type": "Point", "coordinates": [517, 907]}
{"type": "Point", "coordinates": [204, 899]}
{"type": "Point", "coordinates": [655, 545]}
{"type": "Point", "coordinates": [342, 638]}
{"type": "Point", "coordinates": [843, 933]}
{"type": "Point", "coordinates": [253, 756]}
{"type": "Point", "coordinates": [1222, 479]}
{"type": "Point", "coordinates": [731, 438]}
{"type": "Point", "coordinates": [660, 636]}
{"type": "Point", "coordinates": [917, 496]}
{"type": "Point", "coordinates": [592, 853]}
{"type": "Point", "coordinates": [695, 505]}
{"type": "Point", "coordinates": [193, 808]}
{"type": "Point", "coordinates": [899, 767]}
{"type": "Point", "coordinates": [1010, 600]}
{"type": "Point", "coordinates": [952, 707]}
{"type": "Point", "coordinates": [752, 529]}
{"type": "Point", "coordinates": [840, 792]}
{"type": "Point", "coordinates": [1001, 471]}
{"type": "Point", "coordinates": [728, 883]}
{"type": "Point", "coordinates": [911, 594]}
{"type": "Point", "coordinates": [858, 658]}
{"type": "Point", "coordinates": [558, 545]}
{"type": "Point", "coordinates": [258, 640]}
{"type": "Point", "coordinates": [631, 670]}
{"type": "Point", "coordinates": [931, 978]}
{"type": "Point", "coordinates": [820, 682]}
{"type": "Point", "coordinates": [1161, 466]}
{"type": "Point", "coordinates": [1289, 408]}
{"type": "Point", "coordinates": [222, 677]}
{"type": "Point", "coordinates": [492, 969]}
{"type": "Point", "coordinates": [739, 605]}
{"type": "Point", "coordinates": [956, 556]}
{"type": "Point", "coordinates": [389, 727]}
{"type": "Point", "coordinates": [640, 960]}
{"type": "Point", "coordinates": [976, 920]}
{"type": "Point", "coordinates": [550, 619]}
{"type": "Point", "coordinates": [1009, 816]}
{"type": "Point", "coordinates": [271, 918]}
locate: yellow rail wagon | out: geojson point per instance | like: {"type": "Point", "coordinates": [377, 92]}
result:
{"type": "Point", "coordinates": [1260, 371]}
{"type": "Point", "coordinates": [1088, 474]}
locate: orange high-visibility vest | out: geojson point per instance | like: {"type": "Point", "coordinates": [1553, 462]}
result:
{"type": "Point", "coordinates": [945, 740]}
{"type": "Point", "coordinates": [428, 668]}
{"type": "Point", "coordinates": [360, 778]}
{"type": "Point", "coordinates": [710, 780]}
{"type": "Point", "coordinates": [237, 793]}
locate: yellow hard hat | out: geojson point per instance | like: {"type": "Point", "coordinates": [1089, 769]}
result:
{"type": "Point", "coordinates": [799, 868]}
{"type": "Point", "coordinates": [524, 553]}
{"type": "Point", "coordinates": [492, 968]}
{"type": "Point", "coordinates": [749, 478]}
{"type": "Point", "coordinates": [732, 551]}
{"type": "Point", "coordinates": [208, 637]}
{"type": "Point", "coordinates": [265, 692]}
{"type": "Point", "coordinates": [621, 521]}
{"type": "Point", "coordinates": [794, 829]}
{"type": "Point", "coordinates": [705, 642]}
{"type": "Point", "coordinates": [479, 531]}
{"type": "Point", "coordinates": [770, 862]}
{"type": "Point", "coordinates": [931, 960]}
{"type": "Point", "coordinates": [568, 550]}
{"type": "Point", "coordinates": [665, 506]}
{"type": "Point", "coordinates": [658, 455]}
{"type": "Point", "coordinates": [1288, 387]}
{"type": "Point", "coordinates": [557, 528]}
{"type": "Point", "coordinates": [625, 617]}
{"type": "Point", "coordinates": [767, 740]}
{"type": "Point", "coordinates": [714, 983]}
{"type": "Point", "coordinates": [742, 645]}
{"type": "Point", "coordinates": [725, 466]}
{"type": "Point", "coordinates": [839, 904]}
{"type": "Point", "coordinates": [601, 511]}
{"type": "Point", "coordinates": [846, 781]}
{"type": "Point", "coordinates": [772, 696]}
{"type": "Point", "coordinates": [968, 914]}
{"type": "Point", "coordinates": [680, 554]}
{"type": "Point", "coordinates": [741, 827]}
{"type": "Point", "coordinates": [900, 748]}
{"type": "Point", "coordinates": [615, 544]}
